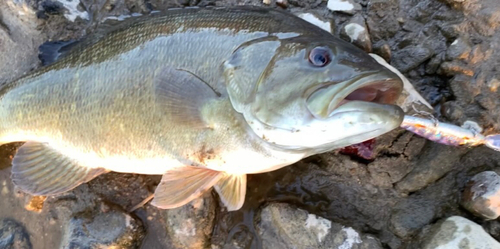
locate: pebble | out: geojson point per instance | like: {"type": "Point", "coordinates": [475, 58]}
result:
{"type": "Point", "coordinates": [458, 49]}
{"type": "Point", "coordinates": [282, 226]}
{"type": "Point", "coordinates": [355, 30]}
{"type": "Point", "coordinates": [113, 229]}
{"type": "Point", "coordinates": [73, 11]}
{"type": "Point", "coordinates": [458, 232]}
{"type": "Point", "coordinates": [191, 225]}
{"type": "Point", "coordinates": [410, 57]}
{"type": "Point", "coordinates": [13, 235]}
{"type": "Point", "coordinates": [482, 195]}
{"type": "Point", "coordinates": [345, 6]}
{"type": "Point", "coordinates": [316, 21]}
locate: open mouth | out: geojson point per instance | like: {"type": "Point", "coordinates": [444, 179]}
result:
{"type": "Point", "coordinates": [376, 88]}
{"type": "Point", "coordinates": [386, 92]}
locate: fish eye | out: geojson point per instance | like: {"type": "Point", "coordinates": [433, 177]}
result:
{"type": "Point", "coordinates": [319, 57]}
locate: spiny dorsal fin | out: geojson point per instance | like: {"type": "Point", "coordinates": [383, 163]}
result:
{"type": "Point", "coordinates": [182, 95]}
{"type": "Point", "coordinates": [182, 185]}
{"type": "Point", "coordinates": [232, 190]}
{"type": "Point", "coordinates": [40, 170]}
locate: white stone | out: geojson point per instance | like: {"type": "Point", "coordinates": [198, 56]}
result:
{"type": "Point", "coordinates": [459, 232]}
{"type": "Point", "coordinates": [321, 225]}
{"type": "Point", "coordinates": [354, 31]}
{"type": "Point", "coordinates": [72, 10]}
{"type": "Point", "coordinates": [352, 237]}
{"type": "Point", "coordinates": [341, 5]}
{"type": "Point", "coordinates": [316, 21]}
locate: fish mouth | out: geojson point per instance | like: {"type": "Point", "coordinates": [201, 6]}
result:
{"type": "Point", "coordinates": [378, 88]}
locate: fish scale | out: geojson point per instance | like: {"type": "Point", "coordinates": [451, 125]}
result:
{"type": "Point", "coordinates": [202, 96]}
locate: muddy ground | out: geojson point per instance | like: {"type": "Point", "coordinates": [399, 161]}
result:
{"type": "Point", "coordinates": [449, 50]}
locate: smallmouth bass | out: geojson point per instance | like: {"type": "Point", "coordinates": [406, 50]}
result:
{"type": "Point", "coordinates": [202, 96]}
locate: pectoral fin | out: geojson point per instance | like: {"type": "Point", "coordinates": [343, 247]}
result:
{"type": "Point", "coordinates": [181, 95]}
{"type": "Point", "coordinates": [38, 169]}
{"type": "Point", "coordinates": [232, 190]}
{"type": "Point", "coordinates": [182, 185]}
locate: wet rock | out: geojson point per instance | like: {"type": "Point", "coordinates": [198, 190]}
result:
{"type": "Point", "coordinates": [459, 49]}
{"type": "Point", "coordinates": [456, 67]}
{"type": "Point", "coordinates": [191, 225]}
{"type": "Point", "coordinates": [282, 226]}
{"type": "Point", "coordinates": [13, 235]}
{"type": "Point", "coordinates": [345, 6]}
{"type": "Point", "coordinates": [482, 195]}
{"type": "Point", "coordinates": [452, 111]}
{"type": "Point", "coordinates": [316, 21]}
{"type": "Point", "coordinates": [19, 39]}
{"type": "Point", "coordinates": [111, 228]}
{"type": "Point", "coordinates": [382, 19]}
{"type": "Point", "coordinates": [411, 215]}
{"type": "Point", "coordinates": [458, 232]}
{"type": "Point", "coordinates": [431, 166]}
{"type": "Point", "coordinates": [357, 33]}
{"type": "Point", "coordinates": [410, 57]}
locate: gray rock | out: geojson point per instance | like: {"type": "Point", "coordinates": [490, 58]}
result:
{"type": "Point", "coordinates": [13, 235]}
{"type": "Point", "coordinates": [19, 39]}
{"type": "Point", "coordinates": [282, 226]}
{"type": "Point", "coordinates": [357, 33]}
{"type": "Point", "coordinates": [410, 215]}
{"type": "Point", "coordinates": [481, 195]}
{"type": "Point", "coordinates": [191, 225]}
{"type": "Point", "coordinates": [410, 57]}
{"type": "Point", "coordinates": [111, 228]}
{"type": "Point", "coordinates": [458, 232]}
{"type": "Point", "coordinates": [459, 49]}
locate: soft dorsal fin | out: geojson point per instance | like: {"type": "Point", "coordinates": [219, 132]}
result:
{"type": "Point", "coordinates": [50, 52]}
{"type": "Point", "coordinates": [182, 95]}
{"type": "Point", "coordinates": [39, 169]}
{"type": "Point", "coordinates": [182, 185]}
{"type": "Point", "coordinates": [232, 190]}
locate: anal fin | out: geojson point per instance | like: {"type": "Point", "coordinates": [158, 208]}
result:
{"type": "Point", "coordinates": [38, 169]}
{"type": "Point", "coordinates": [232, 190]}
{"type": "Point", "coordinates": [182, 185]}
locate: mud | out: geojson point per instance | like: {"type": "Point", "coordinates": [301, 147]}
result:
{"type": "Point", "coordinates": [448, 49]}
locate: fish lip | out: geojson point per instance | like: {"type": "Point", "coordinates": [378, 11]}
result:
{"type": "Point", "coordinates": [389, 89]}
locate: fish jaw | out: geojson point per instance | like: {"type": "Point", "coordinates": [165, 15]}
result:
{"type": "Point", "coordinates": [340, 114]}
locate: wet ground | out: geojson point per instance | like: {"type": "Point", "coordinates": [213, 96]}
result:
{"type": "Point", "coordinates": [449, 51]}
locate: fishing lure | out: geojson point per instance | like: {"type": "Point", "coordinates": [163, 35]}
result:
{"type": "Point", "coordinates": [449, 134]}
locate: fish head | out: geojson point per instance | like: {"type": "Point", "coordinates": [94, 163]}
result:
{"type": "Point", "coordinates": [313, 93]}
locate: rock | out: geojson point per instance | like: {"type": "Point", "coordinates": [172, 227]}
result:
{"type": "Point", "coordinates": [410, 57]}
{"type": "Point", "coordinates": [345, 6]}
{"type": "Point", "coordinates": [191, 225]}
{"type": "Point", "coordinates": [355, 30]}
{"type": "Point", "coordinates": [458, 232]}
{"type": "Point", "coordinates": [410, 215]}
{"type": "Point", "coordinates": [282, 226]}
{"type": "Point", "coordinates": [13, 235]}
{"type": "Point", "coordinates": [19, 39]}
{"type": "Point", "coordinates": [316, 21]}
{"type": "Point", "coordinates": [111, 228]}
{"type": "Point", "coordinates": [459, 49]}
{"type": "Point", "coordinates": [482, 195]}
{"type": "Point", "coordinates": [431, 166]}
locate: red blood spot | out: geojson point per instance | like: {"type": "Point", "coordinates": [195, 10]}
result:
{"type": "Point", "coordinates": [362, 150]}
